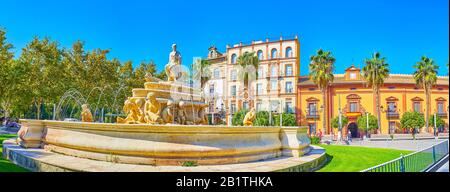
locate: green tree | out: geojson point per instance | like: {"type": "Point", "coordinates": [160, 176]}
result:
{"type": "Point", "coordinates": [335, 122]}
{"type": "Point", "coordinates": [238, 117]}
{"type": "Point", "coordinates": [262, 119]}
{"type": "Point", "coordinates": [248, 61]}
{"type": "Point", "coordinates": [426, 77]}
{"type": "Point", "coordinates": [6, 77]}
{"type": "Point", "coordinates": [362, 122]}
{"type": "Point", "coordinates": [45, 72]}
{"type": "Point", "coordinates": [321, 73]}
{"type": "Point", "coordinates": [289, 120]}
{"type": "Point", "coordinates": [439, 121]}
{"type": "Point", "coordinates": [412, 120]}
{"type": "Point", "coordinates": [375, 72]}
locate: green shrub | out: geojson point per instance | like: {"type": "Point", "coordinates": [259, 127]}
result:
{"type": "Point", "coordinates": [315, 140]}
{"type": "Point", "coordinates": [288, 120]}
{"type": "Point", "coordinates": [262, 119]}
{"type": "Point", "coordinates": [238, 117]}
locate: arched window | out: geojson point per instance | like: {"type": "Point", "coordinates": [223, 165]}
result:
{"type": "Point", "coordinates": [288, 52]}
{"type": "Point", "coordinates": [260, 55]}
{"type": "Point", "coordinates": [233, 59]}
{"type": "Point", "coordinates": [216, 73]}
{"type": "Point", "coordinates": [274, 53]}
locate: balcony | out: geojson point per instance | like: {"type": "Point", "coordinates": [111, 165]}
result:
{"type": "Point", "coordinates": [312, 116]}
{"type": "Point", "coordinates": [392, 115]}
{"type": "Point", "coordinates": [442, 114]}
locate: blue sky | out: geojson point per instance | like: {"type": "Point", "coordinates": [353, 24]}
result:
{"type": "Point", "coordinates": [402, 30]}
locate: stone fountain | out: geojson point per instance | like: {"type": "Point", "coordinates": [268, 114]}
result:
{"type": "Point", "coordinates": [165, 125]}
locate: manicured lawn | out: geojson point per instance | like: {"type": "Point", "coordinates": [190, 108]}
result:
{"type": "Point", "coordinates": [355, 159]}
{"type": "Point", "coordinates": [5, 165]}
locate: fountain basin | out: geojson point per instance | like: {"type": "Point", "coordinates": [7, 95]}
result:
{"type": "Point", "coordinates": [164, 144]}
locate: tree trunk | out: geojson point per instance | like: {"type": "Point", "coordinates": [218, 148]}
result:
{"type": "Point", "coordinates": [377, 100]}
{"type": "Point", "coordinates": [324, 120]}
{"type": "Point", "coordinates": [427, 109]}
{"type": "Point", "coordinates": [38, 107]}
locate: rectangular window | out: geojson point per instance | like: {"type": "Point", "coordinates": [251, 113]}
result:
{"type": "Point", "coordinates": [233, 90]}
{"type": "Point", "coordinates": [440, 107]}
{"type": "Point", "coordinates": [289, 88]}
{"type": "Point", "coordinates": [391, 107]}
{"type": "Point", "coordinates": [216, 73]}
{"type": "Point", "coordinates": [233, 108]}
{"type": "Point", "coordinates": [288, 70]}
{"type": "Point", "coordinates": [353, 75]}
{"type": "Point", "coordinates": [353, 107]}
{"type": "Point", "coordinates": [233, 75]}
{"type": "Point", "coordinates": [312, 110]}
{"type": "Point", "coordinates": [259, 88]}
{"type": "Point", "coordinates": [417, 107]}
{"type": "Point", "coordinates": [245, 105]}
{"type": "Point", "coordinates": [273, 85]}
{"type": "Point", "coordinates": [289, 107]}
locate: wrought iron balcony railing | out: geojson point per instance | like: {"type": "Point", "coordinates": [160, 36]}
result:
{"type": "Point", "coordinates": [392, 115]}
{"type": "Point", "coordinates": [312, 116]}
{"type": "Point", "coordinates": [442, 115]}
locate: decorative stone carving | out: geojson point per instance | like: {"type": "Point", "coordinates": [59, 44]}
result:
{"type": "Point", "coordinates": [134, 113]}
{"type": "Point", "coordinates": [152, 110]}
{"type": "Point", "coordinates": [250, 117]}
{"type": "Point", "coordinates": [168, 113]}
{"type": "Point", "coordinates": [86, 115]}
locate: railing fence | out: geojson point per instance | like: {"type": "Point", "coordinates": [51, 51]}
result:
{"type": "Point", "coordinates": [415, 162]}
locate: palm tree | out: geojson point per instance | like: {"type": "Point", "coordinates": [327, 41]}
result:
{"type": "Point", "coordinates": [321, 73]}
{"type": "Point", "coordinates": [375, 72]}
{"type": "Point", "coordinates": [426, 76]}
{"type": "Point", "coordinates": [246, 60]}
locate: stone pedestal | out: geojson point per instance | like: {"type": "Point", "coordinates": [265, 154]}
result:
{"type": "Point", "coordinates": [294, 141]}
{"type": "Point", "coordinates": [30, 134]}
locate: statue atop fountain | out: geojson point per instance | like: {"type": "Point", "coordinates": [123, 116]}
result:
{"type": "Point", "coordinates": [172, 68]}
{"type": "Point", "coordinates": [166, 102]}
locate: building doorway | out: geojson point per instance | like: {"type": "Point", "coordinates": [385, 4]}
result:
{"type": "Point", "coordinates": [353, 128]}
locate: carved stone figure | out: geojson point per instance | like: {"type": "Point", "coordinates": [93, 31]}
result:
{"type": "Point", "coordinates": [152, 110]}
{"type": "Point", "coordinates": [134, 113]}
{"type": "Point", "coordinates": [174, 61]}
{"type": "Point", "coordinates": [168, 112]}
{"type": "Point", "coordinates": [181, 116]}
{"type": "Point", "coordinates": [86, 115]}
{"type": "Point", "coordinates": [250, 117]}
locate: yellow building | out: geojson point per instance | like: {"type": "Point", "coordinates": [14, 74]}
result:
{"type": "Point", "coordinates": [350, 92]}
